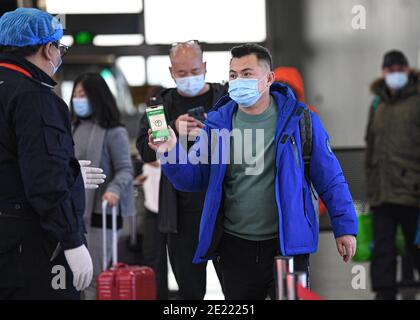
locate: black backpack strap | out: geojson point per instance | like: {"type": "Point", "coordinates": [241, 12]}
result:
{"type": "Point", "coordinates": [305, 124]}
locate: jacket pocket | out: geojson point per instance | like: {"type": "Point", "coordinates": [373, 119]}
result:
{"type": "Point", "coordinates": [405, 181]}
{"type": "Point", "coordinates": [57, 142]}
{"type": "Point", "coordinates": [11, 270]}
{"type": "Point", "coordinates": [305, 208]}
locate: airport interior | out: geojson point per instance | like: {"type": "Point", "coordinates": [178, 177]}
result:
{"type": "Point", "coordinates": [338, 50]}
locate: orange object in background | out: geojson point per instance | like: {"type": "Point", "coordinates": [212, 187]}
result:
{"type": "Point", "coordinates": [322, 208]}
{"type": "Point", "coordinates": [292, 77]}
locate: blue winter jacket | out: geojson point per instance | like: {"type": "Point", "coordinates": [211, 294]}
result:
{"type": "Point", "coordinates": [298, 223]}
{"type": "Point", "coordinates": [417, 239]}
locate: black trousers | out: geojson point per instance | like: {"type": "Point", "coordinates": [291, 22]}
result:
{"type": "Point", "coordinates": [26, 272]}
{"type": "Point", "coordinates": [191, 278]}
{"type": "Point", "coordinates": [248, 267]}
{"type": "Point", "coordinates": [154, 252]}
{"type": "Point", "coordinates": [386, 218]}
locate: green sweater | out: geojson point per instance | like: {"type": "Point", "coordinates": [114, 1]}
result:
{"type": "Point", "coordinates": [250, 203]}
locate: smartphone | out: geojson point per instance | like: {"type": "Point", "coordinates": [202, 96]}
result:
{"type": "Point", "coordinates": [197, 113]}
{"type": "Point", "coordinates": [157, 122]}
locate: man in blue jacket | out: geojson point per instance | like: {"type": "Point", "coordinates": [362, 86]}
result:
{"type": "Point", "coordinates": [258, 201]}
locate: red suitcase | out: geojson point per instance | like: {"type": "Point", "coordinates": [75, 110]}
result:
{"type": "Point", "coordinates": [122, 282]}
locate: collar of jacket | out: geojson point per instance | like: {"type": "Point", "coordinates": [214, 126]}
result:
{"type": "Point", "coordinates": [226, 107]}
{"type": "Point", "coordinates": [379, 88]}
{"type": "Point", "coordinates": [289, 113]}
{"type": "Point", "coordinates": [37, 74]}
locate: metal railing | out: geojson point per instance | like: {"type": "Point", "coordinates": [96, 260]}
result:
{"type": "Point", "coordinates": [291, 285]}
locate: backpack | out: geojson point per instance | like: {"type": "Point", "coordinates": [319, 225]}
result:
{"type": "Point", "coordinates": [305, 127]}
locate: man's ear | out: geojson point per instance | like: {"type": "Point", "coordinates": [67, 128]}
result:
{"type": "Point", "coordinates": [47, 51]}
{"type": "Point", "coordinates": [170, 71]}
{"type": "Point", "coordinates": [205, 67]}
{"type": "Point", "coordinates": [271, 77]}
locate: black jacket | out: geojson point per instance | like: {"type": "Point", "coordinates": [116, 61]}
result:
{"type": "Point", "coordinates": [168, 201]}
{"type": "Point", "coordinates": [38, 169]}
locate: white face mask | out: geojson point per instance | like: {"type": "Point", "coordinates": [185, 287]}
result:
{"type": "Point", "coordinates": [191, 86]}
{"type": "Point", "coordinates": [396, 80]}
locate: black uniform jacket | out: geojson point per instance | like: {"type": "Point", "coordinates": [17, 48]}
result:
{"type": "Point", "coordinates": [39, 175]}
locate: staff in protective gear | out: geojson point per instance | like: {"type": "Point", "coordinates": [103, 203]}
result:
{"type": "Point", "coordinates": [42, 197]}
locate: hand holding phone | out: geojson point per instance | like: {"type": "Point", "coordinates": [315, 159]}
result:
{"type": "Point", "coordinates": [197, 113]}
{"type": "Point", "coordinates": [157, 123]}
{"type": "Point", "coordinates": [164, 146]}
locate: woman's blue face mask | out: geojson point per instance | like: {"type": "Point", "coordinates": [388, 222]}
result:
{"type": "Point", "coordinates": [82, 107]}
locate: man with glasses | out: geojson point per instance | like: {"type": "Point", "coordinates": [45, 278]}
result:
{"type": "Point", "coordinates": [42, 235]}
{"type": "Point", "coordinates": [180, 212]}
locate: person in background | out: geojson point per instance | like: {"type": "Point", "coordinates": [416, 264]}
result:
{"type": "Point", "coordinates": [42, 196]}
{"type": "Point", "coordinates": [417, 240]}
{"type": "Point", "coordinates": [259, 208]}
{"type": "Point", "coordinates": [393, 168]}
{"type": "Point", "coordinates": [100, 137]}
{"type": "Point", "coordinates": [154, 241]}
{"type": "Point", "coordinates": [179, 212]}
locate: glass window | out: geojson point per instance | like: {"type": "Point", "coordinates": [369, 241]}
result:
{"type": "Point", "coordinates": [67, 40]}
{"type": "Point", "coordinates": [109, 40]}
{"type": "Point", "coordinates": [66, 91]}
{"type": "Point", "coordinates": [215, 21]}
{"type": "Point", "coordinates": [93, 6]}
{"type": "Point", "coordinates": [133, 68]}
{"type": "Point", "coordinates": [158, 72]}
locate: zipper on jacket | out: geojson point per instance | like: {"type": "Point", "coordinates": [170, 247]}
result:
{"type": "Point", "coordinates": [305, 212]}
{"type": "Point", "coordinates": [276, 147]}
{"type": "Point", "coordinates": [295, 150]}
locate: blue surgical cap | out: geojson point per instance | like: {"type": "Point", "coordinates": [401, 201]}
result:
{"type": "Point", "coordinates": [29, 27]}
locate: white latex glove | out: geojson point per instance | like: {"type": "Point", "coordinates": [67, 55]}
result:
{"type": "Point", "coordinates": [92, 177]}
{"type": "Point", "coordinates": [81, 265]}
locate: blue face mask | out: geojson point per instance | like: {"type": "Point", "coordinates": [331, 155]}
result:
{"type": "Point", "coordinates": [55, 67]}
{"type": "Point", "coordinates": [82, 107]}
{"type": "Point", "coordinates": [245, 91]}
{"type": "Point", "coordinates": [190, 86]}
{"type": "Point", "coordinates": [396, 80]}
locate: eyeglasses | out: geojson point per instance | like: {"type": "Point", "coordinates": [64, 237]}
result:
{"type": "Point", "coordinates": [189, 42]}
{"type": "Point", "coordinates": [61, 47]}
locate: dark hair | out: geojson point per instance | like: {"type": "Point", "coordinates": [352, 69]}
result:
{"type": "Point", "coordinates": [104, 106]}
{"type": "Point", "coordinates": [251, 48]}
{"type": "Point", "coordinates": [394, 57]}
{"type": "Point", "coordinates": [20, 51]}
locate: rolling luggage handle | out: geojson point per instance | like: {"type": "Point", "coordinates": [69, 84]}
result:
{"type": "Point", "coordinates": [114, 236]}
{"type": "Point", "coordinates": [283, 266]}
